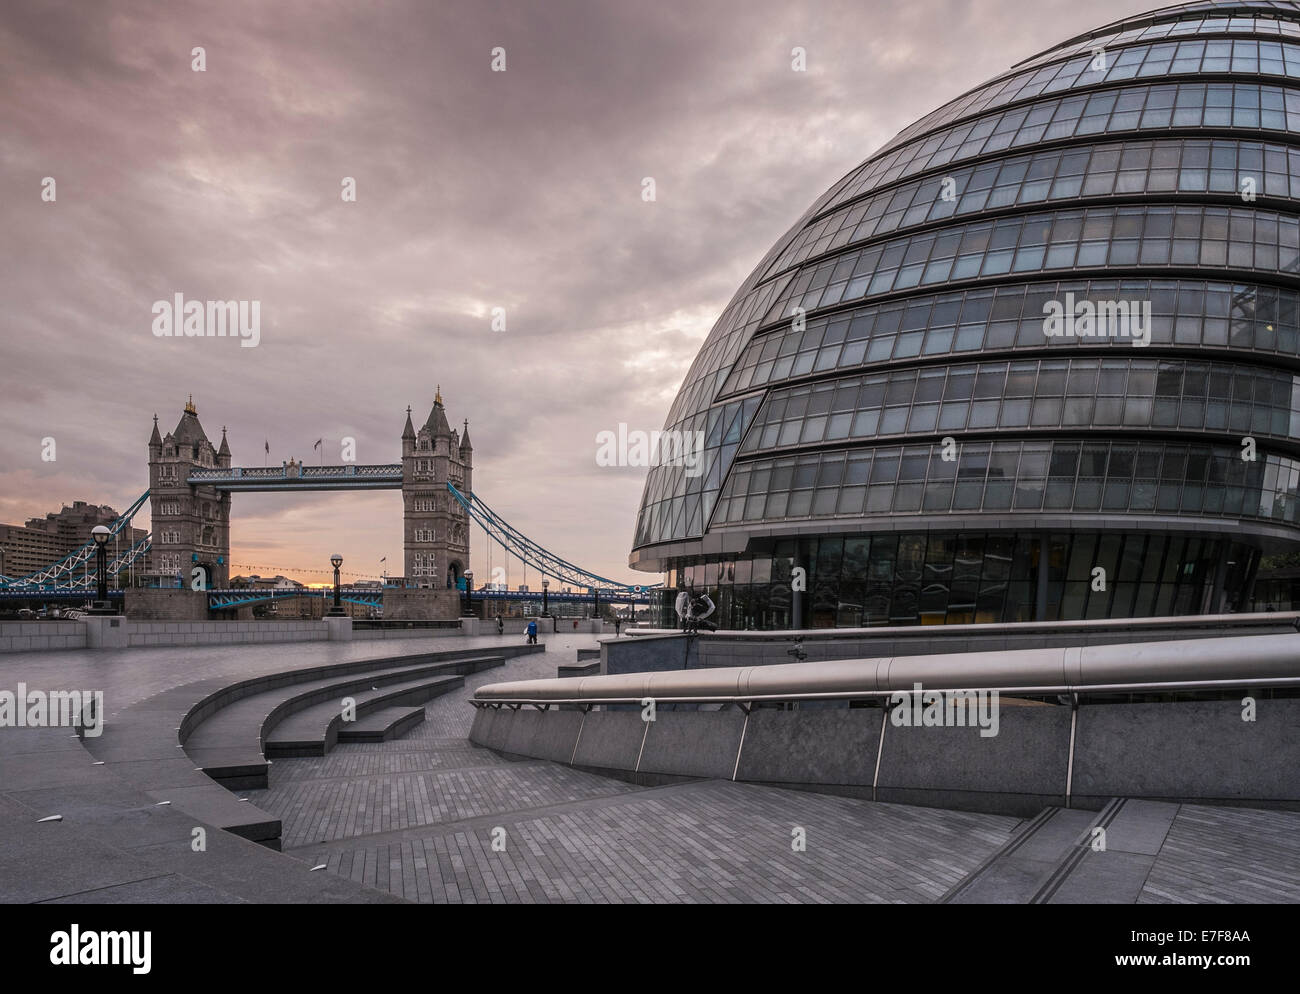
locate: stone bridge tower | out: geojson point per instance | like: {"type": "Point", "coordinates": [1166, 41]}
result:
{"type": "Point", "coordinates": [435, 527]}
{"type": "Point", "coordinates": [191, 524]}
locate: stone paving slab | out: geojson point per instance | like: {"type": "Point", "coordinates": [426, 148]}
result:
{"type": "Point", "coordinates": [116, 843]}
{"type": "Point", "coordinates": [1105, 877]}
{"type": "Point", "coordinates": [167, 888]}
{"type": "Point", "coordinates": [1140, 827]}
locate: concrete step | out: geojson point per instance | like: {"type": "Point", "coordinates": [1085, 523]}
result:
{"type": "Point", "coordinates": [382, 725]}
{"type": "Point", "coordinates": [313, 731]}
{"type": "Point", "coordinates": [228, 744]}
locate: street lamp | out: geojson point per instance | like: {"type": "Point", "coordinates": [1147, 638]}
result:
{"type": "Point", "coordinates": [337, 610]}
{"type": "Point", "coordinates": [545, 584]}
{"type": "Point", "coordinates": [469, 591]}
{"type": "Point", "coordinates": [100, 534]}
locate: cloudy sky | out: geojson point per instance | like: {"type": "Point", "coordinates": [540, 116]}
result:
{"type": "Point", "coordinates": [474, 190]}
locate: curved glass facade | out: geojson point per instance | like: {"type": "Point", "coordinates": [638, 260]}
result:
{"type": "Point", "coordinates": [1058, 318]}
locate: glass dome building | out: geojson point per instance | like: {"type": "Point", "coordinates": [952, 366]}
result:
{"type": "Point", "coordinates": [1035, 359]}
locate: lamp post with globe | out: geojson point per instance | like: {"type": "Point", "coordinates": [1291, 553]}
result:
{"type": "Point", "coordinates": [337, 610]}
{"type": "Point", "coordinates": [101, 536]}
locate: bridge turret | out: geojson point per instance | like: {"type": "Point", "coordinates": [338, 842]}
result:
{"type": "Point", "coordinates": [408, 435]}
{"type": "Point", "coordinates": [191, 522]}
{"type": "Point", "coordinates": [155, 441]}
{"type": "Point", "coordinates": [436, 533]}
{"type": "Point", "coordinates": [467, 460]}
{"type": "Point", "coordinates": [223, 453]}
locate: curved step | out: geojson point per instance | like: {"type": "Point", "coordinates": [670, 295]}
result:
{"type": "Point", "coordinates": [228, 744]}
{"type": "Point", "coordinates": [313, 731]}
{"type": "Point", "coordinates": [384, 724]}
{"type": "Point", "coordinates": [141, 747]}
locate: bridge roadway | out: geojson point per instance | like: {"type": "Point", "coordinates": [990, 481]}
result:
{"type": "Point", "coordinates": [414, 818]}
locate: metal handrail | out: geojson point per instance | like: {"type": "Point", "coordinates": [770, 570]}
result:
{"type": "Point", "coordinates": [991, 630]}
{"type": "Point", "coordinates": [1199, 664]}
{"type": "Point", "coordinates": [1117, 688]}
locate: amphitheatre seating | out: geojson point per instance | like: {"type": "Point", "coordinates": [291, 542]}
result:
{"type": "Point", "coordinates": [228, 742]}
{"type": "Point", "coordinates": [314, 730]}
{"type": "Point", "coordinates": [148, 744]}
{"type": "Point", "coordinates": [141, 748]}
{"type": "Point", "coordinates": [382, 725]}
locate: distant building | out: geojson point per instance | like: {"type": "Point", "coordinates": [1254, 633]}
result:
{"type": "Point", "coordinates": [41, 542]}
{"type": "Point", "coordinates": [264, 583]}
{"type": "Point", "coordinates": [925, 405]}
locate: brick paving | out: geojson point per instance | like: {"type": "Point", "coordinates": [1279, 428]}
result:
{"type": "Point", "coordinates": [1221, 855]}
{"type": "Point", "coordinates": [417, 816]}
{"type": "Point", "coordinates": [336, 808]}
{"type": "Point", "coordinates": [709, 841]}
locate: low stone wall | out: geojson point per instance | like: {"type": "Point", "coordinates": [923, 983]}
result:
{"type": "Point", "coordinates": [35, 636]}
{"type": "Point", "coordinates": [512, 626]}
{"type": "Point", "coordinates": [147, 633]}
{"type": "Point", "coordinates": [364, 634]}
{"type": "Point", "coordinates": [1194, 751]}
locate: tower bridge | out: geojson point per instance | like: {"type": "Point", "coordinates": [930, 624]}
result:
{"type": "Point", "coordinates": [191, 483]}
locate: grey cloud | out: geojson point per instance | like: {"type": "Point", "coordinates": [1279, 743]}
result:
{"type": "Point", "coordinates": [475, 190]}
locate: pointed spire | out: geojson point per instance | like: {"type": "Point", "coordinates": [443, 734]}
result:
{"type": "Point", "coordinates": [225, 448]}
{"type": "Point", "coordinates": [409, 430]}
{"type": "Point", "coordinates": [189, 406]}
{"type": "Point", "coordinates": [437, 423]}
{"type": "Point", "coordinates": [155, 438]}
{"type": "Point", "coordinates": [464, 439]}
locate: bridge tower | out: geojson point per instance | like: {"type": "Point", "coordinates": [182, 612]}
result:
{"type": "Point", "coordinates": [191, 524]}
{"type": "Point", "coordinates": [435, 526]}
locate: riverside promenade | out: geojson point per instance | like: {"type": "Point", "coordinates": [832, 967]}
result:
{"type": "Point", "coordinates": [420, 814]}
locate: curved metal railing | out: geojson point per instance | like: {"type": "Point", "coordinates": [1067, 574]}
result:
{"type": "Point", "coordinates": [1197, 664]}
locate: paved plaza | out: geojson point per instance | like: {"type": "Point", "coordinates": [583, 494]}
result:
{"type": "Point", "coordinates": [431, 818]}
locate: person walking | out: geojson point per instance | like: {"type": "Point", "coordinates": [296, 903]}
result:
{"type": "Point", "coordinates": [532, 632]}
